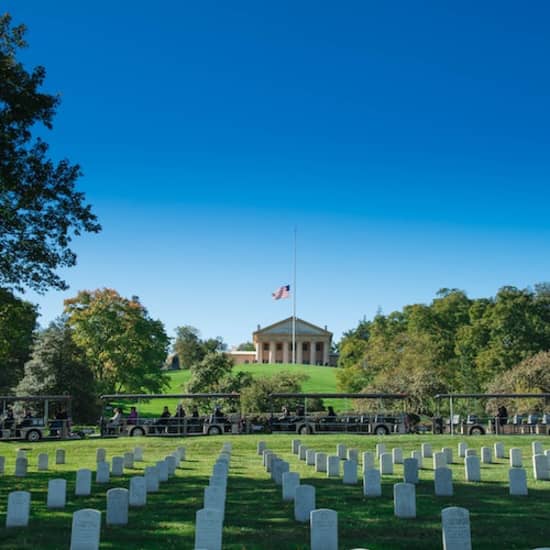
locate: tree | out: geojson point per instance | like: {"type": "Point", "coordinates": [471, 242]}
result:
{"type": "Point", "coordinates": [40, 209]}
{"type": "Point", "coordinates": [17, 326]}
{"type": "Point", "coordinates": [57, 367]}
{"type": "Point", "coordinates": [124, 347]}
{"type": "Point", "coordinates": [191, 349]}
{"type": "Point", "coordinates": [246, 346]}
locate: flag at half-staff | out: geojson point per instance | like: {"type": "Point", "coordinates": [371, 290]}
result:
{"type": "Point", "coordinates": [281, 292]}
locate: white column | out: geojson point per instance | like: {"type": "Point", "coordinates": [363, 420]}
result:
{"type": "Point", "coordinates": [285, 352]}
{"type": "Point", "coordinates": [326, 352]}
{"type": "Point", "coordinates": [259, 346]}
{"type": "Point", "coordinates": [299, 352]}
{"type": "Point", "coordinates": [272, 351]}
{"type": "Point", "coordinates": [312, 352]}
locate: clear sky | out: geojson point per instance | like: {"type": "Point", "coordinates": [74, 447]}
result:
{"type": "Point", "coordinates": [407, 141]}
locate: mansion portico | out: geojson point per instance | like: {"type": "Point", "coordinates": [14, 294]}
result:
{"type": "Point", "coordinates": [274, 343]}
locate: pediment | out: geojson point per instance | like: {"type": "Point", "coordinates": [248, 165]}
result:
{"type": "Point", "coordinates": [285, 328]}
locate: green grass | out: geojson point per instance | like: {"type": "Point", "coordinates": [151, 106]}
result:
{"type": "Point", "coordinates": [256, 517]}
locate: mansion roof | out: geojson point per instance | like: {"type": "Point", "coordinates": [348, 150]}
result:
{"type": "Point", "coordinates": [284, 328]}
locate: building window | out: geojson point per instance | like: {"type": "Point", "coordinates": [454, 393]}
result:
{"type": "Point", "coordinates": [318, 346]}
{"type": "Point", "coordinates": [279, 347]}
{"type": "Point", "coordinates": [304, 346]}
{"type": "Point", "coordinates": [266, 346]}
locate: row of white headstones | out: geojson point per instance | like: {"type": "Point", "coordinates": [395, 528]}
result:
{"type": "Point", "coordinates": [86, 523]}
{"type": "Point", "coordinates": [455, 521]}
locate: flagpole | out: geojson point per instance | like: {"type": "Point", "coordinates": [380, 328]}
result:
{"type": "Point", "coordinates": [294, 305]}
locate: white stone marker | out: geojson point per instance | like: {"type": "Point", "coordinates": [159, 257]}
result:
{"type": "Point", "coordinates": [60, 456]}
{"type": "Point", "coordinates": [486, 455]}
{"type": "Point", "coordinates": [333, 466]}
{"type": "Point", "coordinates": [117, 466]}
{"type": "Point", "coordinates": [518, 482]}
{"type": "Point", "coordinates": [426, 450]}
{"type": "Point", "coordinates": [350, 472]}
{"type": "Point", "coordinates": [208, 530]}
{"type": "Point", "coordinates": [397, 455]}
{"type": "Point", "coordinates": [320, 462]}
{"type": "Point", "coordinates": [21, 467]}
{"type": "Point", "coordinates": [19, 507]}
{"type": "Point", "coordinates": [117, 506]}
{"type": "Point", "coordinates": [100, 455]}
{"type": "Point", "coordinates": [323, 529]}
{"type": "Point", "coordinates": [291, 480]}
{"type": "Point", "coordinates": [129, 460]}
{"type": "Point", "coordinates": [138, 454]}
{"type": "Point", "coordinates": [295, 446]}
{"type": "Point", "coordinates": [516, 458]}
{"type": "Point", "coordinates": [386, 464]}
{"type": "Point", "coordinates": [536, 448]}
{"type": "Point", "coordinates": [341, 451]}
{"type": "Point", "coordinates": [462, 447]}
{"type": "Point", "coordinates": [499, 450]}
{"type": "Point", "coordinates": [439, 460]}
{"type": "Point", "coordinates": [443, 482]}
{"type": "Point", "coordinates": [86, 530]}
{"type": "Point", "coordinates": [83, 485]}
{"type": "Point", "coordinates": [372, 486]}
{"type": "Point", "coordinates": [21, 453]}
{"type": "Point", "coordinates": [221, 468]}
{"type": "Point", "coordinates": [181, 452]}
{"type": "Point", "coordinates": [419, 459]}
{"type": "Point", "coordinates": [368, 461]}
{"type": "Point", "coordinates": [310, 457]}
{"type": "Point", "coordinates": [448, 452]}
{"type": "Point", "coordinates": [138, 491]}
{"type": "Point", "coordinates": [162, 471]}
{"type": "Point", "coordinates": [42, 462]}
{"type": "Point", "coordinates": [267, 458]}
{"type": "Point", "coordinates": [261, 447]}
{"type": "Point", "coordinates": [57, 493]}
{"type": "Point", "coordinates": [302, 449]}
{"type": "Point", "coordinates": [404, 500]}
{"type": "Point", "coordinates": [472, 468]}
{"type": "Point", "coordinates": [304, 502]}
{"type": "Point", "coordinates": [380, 449]}
{"type": "Point", "coordinates": [2, 464]}
{"type": "Point", "coordinates": [102, 472]}
{"type": "Point", "coordinates": [151, 479]}
{"type": "Point", "coordinates": [410, 470]}
{"type": "Point", "coordinates": [471, 452]}
{"type": "Point", "coordinates": [540, 467]}
{"type": "Point", "coordinates": [214, 499]}
{"type": "Point", "coordinates": [353, 454]}
{"type": "Point", "coordinates": [456, 529]}
{"type": "Point", "coordinates": [280, 470]}
{"type": "Point", "coordinates": [171, 464]}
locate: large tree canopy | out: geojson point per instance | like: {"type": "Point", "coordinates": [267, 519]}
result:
{"type": "Point", "coordinates": [40, 209]}
{"type": "Point", "coordinates": [124, 347]}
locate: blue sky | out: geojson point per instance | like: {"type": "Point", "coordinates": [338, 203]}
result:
{"type": "Point", "coordinates": [408, 142]}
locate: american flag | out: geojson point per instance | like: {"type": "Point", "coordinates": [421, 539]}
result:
{"type": "Point", "coordinates": [282, 292]}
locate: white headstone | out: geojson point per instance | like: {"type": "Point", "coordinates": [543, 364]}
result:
{"type": "Point", "coordinates": [323, 530]}
{"type": "Point", "coordinates": [350, 472]}
{"type": "Point", "coordinates": [443, 482]}
{"type": "Point", "coordinates": [486, 455]}
{"type": "Point", "coordinates": [426, 450]}
{"type": "Point", "coordinates": [419, 459]}
{"type": "Point", "coordinates": [138, 454]}
{"type": "Point", "coordinates": [102, 472]}
{"type": "Point", "coordinates": [439, 460]}
{"type": "Point", "coordinates": [21, 467]}
{"type": "Point", "coordinates": [208, 529]}
{"type": "Point", "coordinates": [129, 460]}
{"type": "Point", "coordinates": [333, 466]}
{"type": "Point", "coordinates": [221, 468]}
{"type": "Point", "coordinates": [368, 461]}
{"type": "Point", "coordinates": [57, 493]}
{"type": "Point", "coordinates": [117, 466]}
{"type": "Point", "coordinates": [499, 450]}
{"type": "Point", "coordinates": [386, 464]}
{"type": "Point", "coordinates": [540, 467]}
{"type": "Point", "coordinates": [117, 506]}
{"type": "Point", "coordinates": [320, 462]}
{"type": "Point", "coordinates": [151, 479]}
{"type": "Point", "coordinates": [462, 446]}
{"type": "Point", "coordinates": [380, 449]}
{"type": "Point", "coordinates": [448, 452]}
{"type": "Point", "coordinates": [353, 454]}
{"type": "Point", "coordinates": [219, 481]}
{"type": "Point", "coordinates": [280, 470]}
{"type": "Point", "coordinates": [83, 485]}
{"type": "Point", "coordinates": [21, 453]}
{"type": "Point", "coordinates": [171, 464]}
{"type": "Point", "coordinates": [267, 458]}
{"type": "Point", "coordinates": [304, 502]}
{"type": "Point", "coordinates": [261, 447]}
{"type": "Point", "coordinates": [471, 452]}
{"type": "Point", "coordinates": [291, 480]}
{"type": "Point", "coordinates": [302, 449]}
{"type": "Point", "coordinates": [86, 530]}
{"type": "Point", "coordinates": [404, 500]}
{"type": "Point", "coordinates": [456, 529]}
{"type": "Point", "coordinates": [536, 448]}
{"type": "Point", "coordinates": [60, 456]}
{"type": "Point", "coordinates": [19, 507]}
{"type": "Point", "coordinates": [138, 491]}
{"type": "Point", "coordinates": [341, 451]}
{"type": "Point", "coordinates": [42, 462]}
{"type": "Point", "coordinates": [162, 470]}
{"type": "Point", "coordinates": [516, 458]}
{"type": "Point", "coordinates": [372, 486]}
{"type": "Point", "coordinates": [397, 455]}
{"type": "Point", "coordinates": [472, 468]}
{"type": "Point", "coordinates": [295, 446]}
{"type": "Point", "coordinates": [100, 455]}
{"type": "Point", "coordinates": [518, 482]}
{"type": "Point", "coordinates": [310, 457]}
{"type": "Point", "coordinates": [410, 470]}
{"type": "Point", "coordinates": [181, 452]}
{"type": "Point", "coordinates": [214, 499]}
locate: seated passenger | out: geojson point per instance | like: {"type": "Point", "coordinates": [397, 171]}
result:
{"type": "Point", "coordinates": [27, 419]}
{"type": "Point", "coordinates": [115, 421]}
{"type": "Point", "coordinates": [195, 412]}
{"type": "Point", "coordinates": [331, 415]}
{"type": "Point", "coordinates": [9, 420]}
{"type": "Point", "coordinates": [163, 421]}
{"type": "Point", "coordinates": [284, 414]}
{"type": "Point", "coordinates": [132, 417]}
{"type": "Point", "coordinates": [59, 423]}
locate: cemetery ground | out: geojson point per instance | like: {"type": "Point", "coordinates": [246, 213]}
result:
{"type": "Point", "coordinates": [256, 516]}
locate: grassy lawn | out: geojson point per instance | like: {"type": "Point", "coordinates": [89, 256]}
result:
{"type": "Point", "coordinates": [257, 519]}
